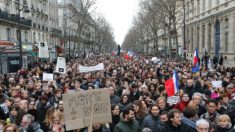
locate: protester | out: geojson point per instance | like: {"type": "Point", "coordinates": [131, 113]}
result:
{"type": "Point", "coordinates": [135, 82]}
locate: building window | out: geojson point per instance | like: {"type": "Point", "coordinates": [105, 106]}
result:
{"type": "Point", "coordinates": [203, 36]}
{"type": "Point", "coordinates": [192, 8]}
{"type": "Point", "coordinates": [8, 34]}
{"type": "Point", "coordinates": [226, 34]}
{"type": "Point", "coordinates": [198, 37]}
{"type": "Point", "coordinates": [217, 3]}
{"type": "Point", "coordinates": [209, 37]}
{"type": "Point", "coordinates": [192, 40]}
{"type": "Point", "coordinates": [26, 36]}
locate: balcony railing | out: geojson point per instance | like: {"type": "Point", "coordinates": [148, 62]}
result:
{"type": "Point", "coordinates": [13, 18]}
{"type": "Point", "coordinates": [56, 31]}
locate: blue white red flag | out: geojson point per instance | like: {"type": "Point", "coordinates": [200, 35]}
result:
{"type": "Point", "coordinates": [196, 66]}
{"type": "Point", "coordinates": [171, 85]}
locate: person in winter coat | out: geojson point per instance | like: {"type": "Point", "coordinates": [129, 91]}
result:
{"type": "Point", "coordinates": [29, 125]}
{"type": "Point", "coordinates": [115, 116]}
{"type": "Point", "coordinates": [152, 121]}
{"type": "Point", "coordinates": [174, 124]}
{"type": "Point", "coordinates": [42, 108]}
{"type": "Point", "coordinates": [224, 124]}
{"type": "Point", "coordinates": [127, 122]}
{"type": "Point", "coordinates": [183, 103]}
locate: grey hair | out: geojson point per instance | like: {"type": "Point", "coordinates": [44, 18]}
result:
{"type": "Point", "coordinates": [202, 122]}
{"type": "Point", "coordinates": [196, 94]}
{"type": "Point", "coordinates": [29, 117]}
{"type": "Point", "coordinates": [146, 130]}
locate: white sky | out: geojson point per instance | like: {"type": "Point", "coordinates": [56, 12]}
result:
{"type": "Point", "coordinates": [119, 14]}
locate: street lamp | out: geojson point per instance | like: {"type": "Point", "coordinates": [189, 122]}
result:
{"type": "Point", "coordinates": [26, 10]}
{"type": "Point", "coordinates": [184, 45]}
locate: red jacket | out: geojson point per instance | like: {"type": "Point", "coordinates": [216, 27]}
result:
{"type": "Point", "coordinates": [181, 105]}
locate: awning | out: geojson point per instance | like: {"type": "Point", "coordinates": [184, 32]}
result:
{"type": "Point", "coordinates": [4, 43]}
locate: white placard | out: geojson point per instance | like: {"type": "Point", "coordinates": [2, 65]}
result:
{"type": "Point", "coordinates": [173, 99]}
{"type": "Point", "coordinates": [47, 77]}
{"type": "Point", "coordinates": [61, 65]}
{"type": "Point", "coordinates": [98, 67]}
{"type": "Point", "coordinates": [216, 84]}
{"type": "Point", "coordinates": [43, 50]}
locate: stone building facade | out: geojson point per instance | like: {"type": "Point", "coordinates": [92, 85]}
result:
{"type": "Point", "coordinates": [210, 27]}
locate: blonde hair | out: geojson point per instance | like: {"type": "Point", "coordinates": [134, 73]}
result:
{"type": "Point", "coordinates": [224, 117]}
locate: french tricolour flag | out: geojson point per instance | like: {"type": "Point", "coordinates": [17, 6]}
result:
{"type": "Point", "coordinates": [129, 55]}
{"type": "Point", "coordinates": [171, 85]}
{"type": "Point", "coordinates": [195, 62]}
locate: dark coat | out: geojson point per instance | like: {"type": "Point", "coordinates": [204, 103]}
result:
{"type": "Point", "coordinates": [220, 129]}
{"type": "Point", "coordinates": [124, 126]}
{"type": "Point", "coordinates": [168, 127]}
{"type": "Point", "coordinates": [151, 122]}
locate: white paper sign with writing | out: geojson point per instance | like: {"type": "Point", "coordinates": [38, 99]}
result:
{"type": "Point", "coordinates": [61, 65]}
{"type": "Point", "coordinates": [47, 77]}
{"type": "Point", "coordinates": [98, 67]}
{"type": "Point", "coordinates": [80, 106]}
{"type": "Point", "coordinates": [173, 99]}
{"type": "Point", "coordinates": [216, 84]}
{"type": "Point", "coordinates": [43, 50]}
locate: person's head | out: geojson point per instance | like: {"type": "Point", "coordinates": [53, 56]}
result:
{"type": "Point", "coordinates": [9, 101]}
{"type": "Point", "coordinates": [31, 105]}
{"type": "Point", "coordinates": [225, 99]}
{"type": "Point", "coordinates": [189, 82]}
{"type": "Point", "coordinates": [163, 116]}
{"type": "Point", "coordinates": [128, 114]}
{"type": "Point", "coordinates": [27, 120]}
{"type": "Point", "coordinates": [10, 128]}
{"type": "Point", "coordinates": [202, 125]}
{"type": "Point", "coordinates": [185, 97]}
{"type": "Point", "coordinates": [154, 111]}
{"type": "Point", "coordinates": [224, 121]}
{"type": "Point", "coordinates": [189, 112]}
{"type": "Point", "coordinates": [14, 110]}
{"type": "Point", "coordinates": [61, 105]}
{"type": "Point", "coordinates": [212, 106]}
{"type": "Point", "coordinates": [2, 124]}
{"type": "Point", "coordinates": [96, 126]}
{"type": "Point", "coordinates": [136, 106]}
{"type": "Point", "coordinates": [115, 109]}
{"type": "Point", "coordinates": [111, 91]}
{"type": "Point", "coordinates": [25, 94]}
{"type": "Point", "coordinates": [58, 93]}
{"type": "Point", "coordinates": [161, 102]}
{"type": "Point", "coordinates": [174, 117]}
{"type": "Point", "coordinates": [43, 99]}
{"type": "Point", "coordinates": [24, 104]}
{"type": "Point", "coordinates": [124, 99]}
{"type": "Point", "coordinates": [197, 97]}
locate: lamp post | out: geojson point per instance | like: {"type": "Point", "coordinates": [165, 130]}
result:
{"type": "Point", "coordinates": [184, 45]}
{"type": "Point", "coordinates": [25, 8]}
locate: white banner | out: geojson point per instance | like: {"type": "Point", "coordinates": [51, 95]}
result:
{"type": "Point", "coordinates": [98, 67]}
{"type": "Point", "coordinates": [43, 50]}
{"type": "Point", "coordinates": [47, 77]}
{"type": "Point", "coordinates": [61, 65]}
{"type": "Point", "coordinates": [216, 84]}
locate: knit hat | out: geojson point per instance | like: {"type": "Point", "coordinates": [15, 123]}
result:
{"type": "Point", "coordinates": [43, 97]}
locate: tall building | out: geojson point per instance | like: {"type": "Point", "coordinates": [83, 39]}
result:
{"type": "Point", "coordinates": [9, 30]}
{"type": "Point", "coordinates": [210, 26]}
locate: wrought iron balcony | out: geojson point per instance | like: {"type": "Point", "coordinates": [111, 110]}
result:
{"type": "Point", "coordinates": [13, 18]}
{"type": "Point", "coordinates": [55, 31]}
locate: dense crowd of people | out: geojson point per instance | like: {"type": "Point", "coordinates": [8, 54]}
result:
{"type": "Point", "coordinates": [137, 94]}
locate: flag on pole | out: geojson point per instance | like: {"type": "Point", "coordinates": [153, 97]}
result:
{"type": "Point", "coordinates": [130, 54]}
{"type": "Point", "coordinates": [195, 61]}
{"type": "Point", "coordinates": [171, 85]}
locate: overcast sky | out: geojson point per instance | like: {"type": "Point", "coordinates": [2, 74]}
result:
{"type": "Point", "coordinates": [119, 13]}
